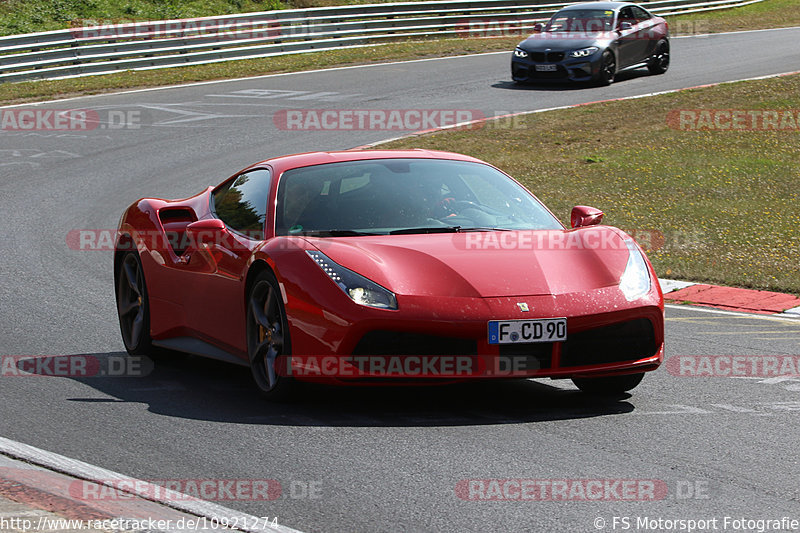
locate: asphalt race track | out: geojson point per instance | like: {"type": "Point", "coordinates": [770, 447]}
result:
{"type": "Point", "coordinates": [382, 459]}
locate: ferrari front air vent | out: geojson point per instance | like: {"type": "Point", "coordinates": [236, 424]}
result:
{"type": "Point", "coordinates": [625, 341]}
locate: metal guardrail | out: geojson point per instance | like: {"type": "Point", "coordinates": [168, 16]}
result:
{"type": "Point", "coordinates": [103, 49]}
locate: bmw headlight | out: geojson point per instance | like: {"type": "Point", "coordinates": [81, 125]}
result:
{"type": "Point", "coordinates": [635, 281]}
{"type": "Point", "coordinates": [584, 52]}
{"type": "Point", "coordinates": [519, 52]}
{"type": "Point", "coordinates": [360, 289]}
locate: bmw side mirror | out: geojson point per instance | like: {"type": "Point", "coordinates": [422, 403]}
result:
{"type": "Point", "coordinates": [625, 26]}
{"type": "Point", "coordinates": [583, 215]}
{"type": "Point", "coordinates": [538, 27]}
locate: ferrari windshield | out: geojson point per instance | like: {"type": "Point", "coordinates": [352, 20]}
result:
{"type": "Point", "coordinates": [394, 196]}
{"type": "Point", "coordinates": [581, 21]}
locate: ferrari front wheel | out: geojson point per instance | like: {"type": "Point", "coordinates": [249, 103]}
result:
{"type": "Point", "coordinates": [132, 305]}
{"type": "Point", "coordinates": [268, 341]}
{"type": "Point", "coordinates": [610, 385]}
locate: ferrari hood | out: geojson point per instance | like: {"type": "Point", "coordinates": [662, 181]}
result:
{"type": "Point", "coordinates": [485, 264]}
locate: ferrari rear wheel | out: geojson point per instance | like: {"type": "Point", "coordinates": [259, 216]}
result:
{"type": "Point", "coordinates": [608, 69]}
{"type": "Point", "coordinates": [132, 305]}
{"type": "Point", "coordinates": [268, 336]}
{"type": "Point", "coordinates": [610, 385]}
{"type": "Point", "coordinates": [660, 61]}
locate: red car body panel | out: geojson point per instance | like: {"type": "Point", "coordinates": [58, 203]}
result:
{"type": "Point", "coordinates": [447, 285]}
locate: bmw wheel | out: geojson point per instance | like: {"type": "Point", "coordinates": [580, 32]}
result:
{"type": "Point", "coordinates": [660, 61]}
{"type": "Point", "coordinates": [608, 68]}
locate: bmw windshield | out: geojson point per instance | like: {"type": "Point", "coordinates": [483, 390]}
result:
{"type": "Point", "coordinates": [581, 21]}
{"type": "Point", "coordinates": [396, 196]}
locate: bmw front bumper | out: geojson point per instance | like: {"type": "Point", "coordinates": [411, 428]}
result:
{"type": "Point", "coordinates": [541, 66]}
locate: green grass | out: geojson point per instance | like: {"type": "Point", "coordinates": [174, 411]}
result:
{"type": "Point", "coordinates": [766, 14]}
{"type": "Point", "coordinates": [27, 16]}
{"type": "Point", "coordinates": [726, 202]}
{"type": "Point", "coordinates": [770, 13]}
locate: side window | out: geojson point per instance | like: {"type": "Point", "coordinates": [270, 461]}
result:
{"type": "Point", "coordinates": [241, 202]}
{"type": "Point", "coordinates": [626, 15]}
{"type": "Point", "coordinates": [640, 13]}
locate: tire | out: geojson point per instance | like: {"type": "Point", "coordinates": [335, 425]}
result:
{"type": "Point", "coordinates": [608, 69]}
{"type": "Point", "coordinates": [133, 307]}
{"type": "Point", "coordinates": [268, 337]}
{"type": "Point", "coordinates": [608, 386]}
{"type": "Point", "coordinates": [660, 61]}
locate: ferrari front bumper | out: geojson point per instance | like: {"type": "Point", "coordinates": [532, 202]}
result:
{"type": "Point", "coordinates": [447, 338]}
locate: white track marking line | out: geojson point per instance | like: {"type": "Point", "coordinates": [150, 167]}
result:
{"type": "Point", "coordinates": [331, 69]}
{"type": "Point", "coordinates": [741, 314]}
{"type": "Point", "coordinates": [200, 83]}
{"type": "Point", "coordinates": [669, 285]}
{"type": "Point", "coordinates": [795, 311]}
{"type": "Point", "coordinates": [142, 489]}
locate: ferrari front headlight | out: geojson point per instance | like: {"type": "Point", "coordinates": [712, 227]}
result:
{"type": "Point", "coordinates": [635, 281]}
{"type": "Point", "coordinates": [361, 290]}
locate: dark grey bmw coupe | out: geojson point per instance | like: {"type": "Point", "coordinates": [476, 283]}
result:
{"type": "Point", "coordinates": [593, 41]}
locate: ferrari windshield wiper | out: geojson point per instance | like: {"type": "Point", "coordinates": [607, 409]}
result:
{"type": "Point", "coordinates": [443, 229]}
{"type": "Point", "coordinates": [483, 228]}
{"type": "Point", "coordinates": [335, 233]}
{"type": "Point", "coordinates": [426, 229]}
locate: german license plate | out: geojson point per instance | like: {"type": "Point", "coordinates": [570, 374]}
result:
{"type": "Point", "coordinates": [546, 68]}
{"type": "Point", "coordinates": [527, 331]}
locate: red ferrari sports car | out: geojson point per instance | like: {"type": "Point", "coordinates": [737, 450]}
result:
{"type": "Point", "coordinates": [377, 266]}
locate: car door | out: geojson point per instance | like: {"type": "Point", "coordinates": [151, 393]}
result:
{"type": "Point", "coordinates": [627, 41]}
{"type": "Point", "coordinates": [220, 258]}
{"type": "Point", "coordinates": [646, 34]}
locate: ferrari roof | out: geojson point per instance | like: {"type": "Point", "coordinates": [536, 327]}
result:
{"type": "Point", "coordinates": [286, 162]}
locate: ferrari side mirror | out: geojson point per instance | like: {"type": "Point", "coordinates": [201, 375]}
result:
{"type": "Point", "coordinates": [583, 215]}
{"type": "Point", "coordinates": [538, 27]}
{"type": "Point", "coordinates": [206, 230]}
